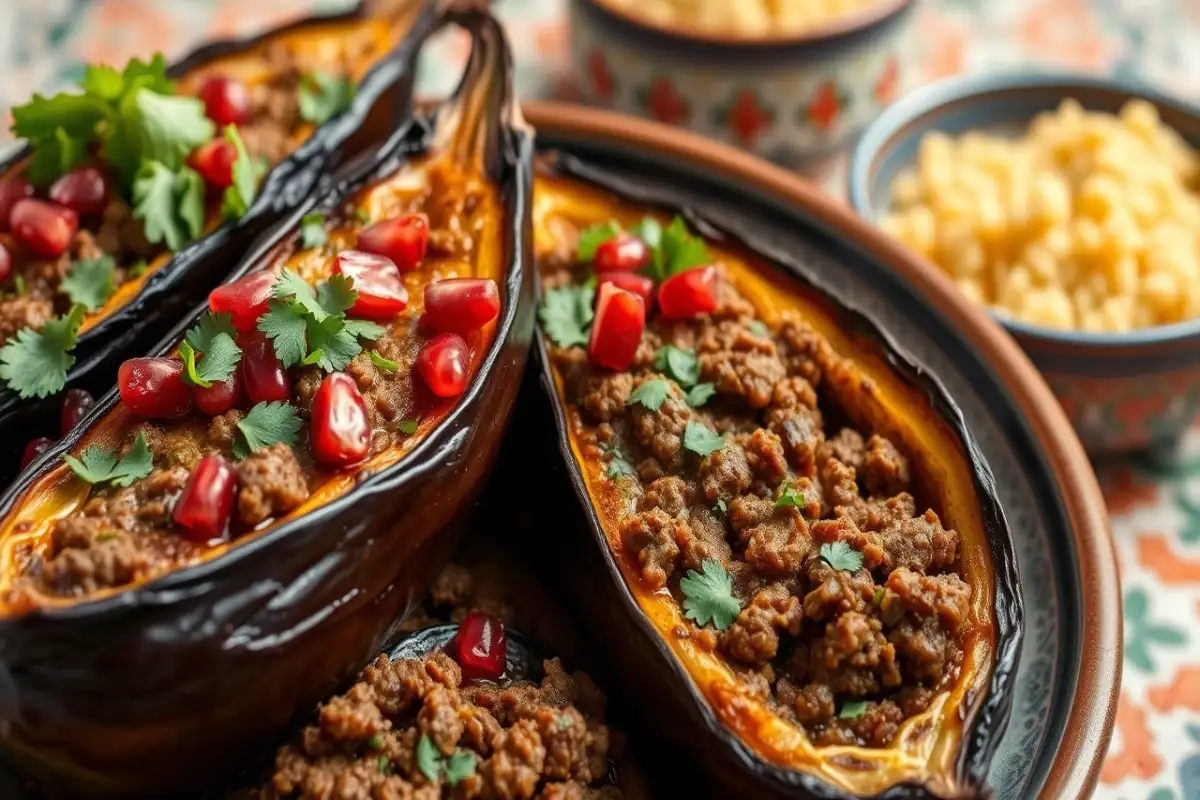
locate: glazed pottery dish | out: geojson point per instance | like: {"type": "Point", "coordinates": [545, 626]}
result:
{"type": "Point", "coordinates": [1069, 206]}
{"type": "Point", "coordinates": [241, 524]}
{"type": "Point", "coordinates": [823, 507]}
{"type": "Point", "coordinates": [137, 191]}
{"type": "Point", "coordinates": [789, 85]}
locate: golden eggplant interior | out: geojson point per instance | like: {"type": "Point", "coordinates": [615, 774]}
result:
{"type": "Point", "coordinates": [66, 538]}
{"type": "Point", "coordinates": [794, 519]}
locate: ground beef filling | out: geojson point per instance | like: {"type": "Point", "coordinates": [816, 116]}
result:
{"type": "Point", "coordinates": [525, 740]}
{"type": "Point", "coordinates": [847, 656]}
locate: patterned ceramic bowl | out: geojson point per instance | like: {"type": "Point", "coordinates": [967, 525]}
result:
{"type": "Point", "coordinates": [1122, 391]}
{"type": "Point", "coordinates": [788, 98]}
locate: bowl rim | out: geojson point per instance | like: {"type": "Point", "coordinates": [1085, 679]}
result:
{"type": "Point", "coordinates": [979, 89]}
{"type": "Point", "coordinates": [842, 25]}
{"type": "Point", "coordinates": [1080, 753]}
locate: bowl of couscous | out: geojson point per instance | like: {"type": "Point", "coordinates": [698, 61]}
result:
{"type": "Point", "coordinates": [1070, 206]}
{"type": "Point", "coordinates": [790, 80]}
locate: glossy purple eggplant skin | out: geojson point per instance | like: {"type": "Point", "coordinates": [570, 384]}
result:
{"type": "Point", "coordinates": [177, 683]}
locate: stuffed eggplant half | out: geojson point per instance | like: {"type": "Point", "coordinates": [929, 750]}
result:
{"type": "Point", "coordinates": [248, 517]}
{"type": "Point", "coordinates": [102, 215]}
{"type": "Point", "coordinates": [822, 576]}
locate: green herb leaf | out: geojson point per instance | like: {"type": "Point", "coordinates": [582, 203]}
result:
{"type": "Point", "coordinates": [721, 506]}
{"type": "Point", "coordinates": [878, 596]}
{"type": "Point", "coordinates": [566, 314]}
{"type": "Point", "coordinates": [98, 465]}
{"type": "Point", "coordinates": [384, 763]}
{"type": "Point", "coordinates": [35, 363]}
{"type": "Point", "coordinates": [170, 202]}
{"type": "Point", "coordinates": [364, 329]}
{"type": "Point", "coordinates": [265, 425]}
{"type": "Point", "coordinates": [408, 426]}
{"type": "Point", "coordinates": [708, 595]}
{"type": "Point", "coordinates": [460, 764]}
{"type": "Point", "coordinates": [291, 287]}
{"type": "Point", "coordinates": [19, 285]}
{"type": "Point", "coordinates": [651, 393]}
{"type": "Point", "coordinates": [384, 364]}
{"type": "Point", "coordinates": [138, 269]}
{"type": "Point", "coordinates": [375, 742]}
{"type": "Point", "coordinates": [337, 294]}
{"type": "Point", "coordinates": [329, 337]}
{"type": "Point", "coordinates": [700, 394]}
{"type": "Point", "coordinates": [429, 760]}
{"type": "Point", "coordinates": [841, 556]}
{"type": "Point", "coordinates": [208, 328]}
{"type": "Point", "coordinates": [90, 282]}
{"type": "Point", "coordinates": [649, 231]}
{"type": "Point", "coordinates": [77, 115]}
{"type": "Point", "coordinates": [680, 363]}
{"type": "Point", "coordinates": [592, 237]}
{"type": "Point", "coordinates": [700, 440]}
{"type": "Point", "coordinates": [102, 81]}
{"type": "Point", "coordinates": [852, 708]}
{"type": "Point", "coordinates": [287, 331]}
{"type": "Point", "coordinates": [618, 464]}
{"type": "Point", "coordinates": [216, 364]}
{"type": "Point", "coordinates": [312, 230]}
{"type": "Point", "coordinates": [362, 215]}
{"type": "Point", "coordinates": [790, 497]}
{"type": "Point", "coordinates": [54, 156]}
{"type": "Point", "coordinates": [324, 95]}
{"type": "Point", "coordinates": [166, 128]}
{"type": "Point", "coordinates": [759, 329]}
{"type": "Point", "coordinates": [240, 194]}
{"type": "Point", "coordinates": [677, 251]}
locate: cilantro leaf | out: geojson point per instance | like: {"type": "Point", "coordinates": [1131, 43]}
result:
{"type": "Point", "coordinates": [841, 556]}
{"type": "Point", "coordinates": [618, 465]}
{"type": "Point", "coordinates": [171, 203]}
{"type": "Point", "coordinates": [19, 285]}
{"type": "Point", "coordinates": [90, 282]}
{"type": "Point", "coordinates": [240, 194]}
{"type": "Point", "coordinates": [103, 81]}
{"type": "Point", "coordinates": [324, 95]}
{"type": "Point", "coordinates": [700, 440]}
{"type": "Point", "coordinates": [680, 363]}
{"type": "Point", "coordinates": [337, 294]}
{"type": "Point", "coordinates": [592, 237]}
{"type": "Point", "coordinates": [460, 764]}
{"type": "Point", "coordinates": [201, 335]}
{"type": "Point", "coordinates": [384, 364]}
{"type": "Point", "coordinates": [364, 329]}
{"type": "Point", "coordinates": [312, 229]}
{"type": "Point", "coordinates": [150, 75]}
{"type": "Point", "coordinates": [651, 393]}
{"type": "Point", "coordinates": [708, 595]}
{"type": "Point", "coordinates": [35, 363]}
{"type": "Point", "coordinates": [98, 465]}
{"type": "Point", "coordinates": [266, 424]}
{"type": "Point", "coordinates": [721, 506]}
{"type": "Point", "coordinates": [649, 231]}
{"type": "Point", "coordinates": [294, 288]}
{"type": "Point", "coordinates": [77, 115]}
{"type": "Point", "coordinates": [287, 331]}
{"type": "Point", "coordinates": [408, 426]}
{"type": "Point", "coordinates": [790, 497]}
{"type": "Point", "coordinates": [55, 155]}
{"type": "Point", "coordinates": [700, 394]}
{"type": "Point", "coordinates": [309, 326]}
{"type": "Point", "coordinates": [678, 250]}
{"type": "Point", "coordinates": [566, 313]}
{"type": "Point", "coordinates": [164, 127]}
{"type": "Point", "coordinates": [429, 760]}
{"type": "Point", "coordinates": [336, 345]}
{"type": "Point", "coordinates": [216, 363]}
{"type": "Point", "coordinates": [759, 329]}
{"type": "Point", "coordinates": [852, 709]}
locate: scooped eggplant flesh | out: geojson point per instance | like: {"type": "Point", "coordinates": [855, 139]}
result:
{"type": "Point", "coordinates": [333, 359]}
{"type": "Point", "coordinates": [798, 524]}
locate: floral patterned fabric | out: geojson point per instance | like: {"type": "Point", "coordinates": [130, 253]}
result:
{"type": "Point", "coordinates": [1154, 501]}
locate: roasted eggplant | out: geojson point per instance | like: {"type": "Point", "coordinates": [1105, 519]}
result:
{"type": "Point", "coordinates": [109, 212]}
{"type": "Point", "coordinates": [161, 653]}
{"type": "Point", "coordinates": [794, 543]}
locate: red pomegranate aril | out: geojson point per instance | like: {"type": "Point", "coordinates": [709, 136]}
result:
{"type": "Point", "coordinates": [617, 328]}
{"type": "Point", "coordinates": [214, 161]}
{"type": "Point", "coordinates": [5, 264]}
{"type": "Point", "coordinates": [640, 285]}
{"type": "Point", "coordinates": [688, 294]}
{"type": "Point", "coordinates": [220, 397]}
{"type": "Point", "coordinates": [480, 647]}
{"type": "Point", "coordinates": [154, 387]}
{"type": "Point", "coordinates": [34, 449]}
{"type": "Point", "coordinates": [76, 404]}
{"type": "Point", "coordinates": [44, 229]}
{"type": "Point", "coordinates": [206, 502]}
{"type": "Point", "coordinates": [403, 240]}
{"type": "Point", "coordinates": [244, 300]}
{"type": "Point", "coordinates": [381, 292]}
{"type": "Point", "coordinates": [83, 190]}
{"type": "Point", "coordinates": [340, 430]}
{"type": "Point", "coordinates": [444, 364]}
{"type": "Point", "coordinates": [263, 375]}
{"type": "Point", "coordinates": [11, 191]}
{"type": "Point", "coordinates": [622, 253]}
{"type": "Point", "coordinates": [226, 100]}
{"type": "Point", "coordinates": [460, 305]}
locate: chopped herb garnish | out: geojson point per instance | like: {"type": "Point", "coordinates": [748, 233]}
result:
{"type": "Point", "coordinates": [618, 465]}
{"type": "Point", "coordinates": [759, 329]}
{"type": "Point", "coordinates": [98, 464]}
{"type": "Point", "coordinates": [138, 269]}
{"type": "Point", "coordinates": [700, 440]}
{"type": "Point", "coordinates": [35, 363]}
{"type": "Point", "coordinates": [312, 230]}
{"type": "Point", "coordinates": [384, 763]}
{"type": "Point", "coordinates": [19, 285]}
{"type": "Point", "coordinates": [720, 506]}
{"type": "Point", "coordinates": [679, 363]}
{"type": "Point", "coordinates": [240, 194]}
{"type": "Point", "coordinates": [592, 237]}
{"type": "Point", "coordinates": [384, 364]}
{"type": "Point", "coordinates": [651, 393]}
{"type": "Point", "coordinates": [708, 595]}
{"type": "Point", "coordinates": [324, 95]}
{"type": "Point", "coordinates": [566, 314]}
{"type": "Point", "coordinates": [408, 426]}
{"type": "Point", "coordinates": [90, 282]}
{"type": "Point", "coordinates": [677, 251]}
{"type": "Point", "coordinates": [170, 202]}
{"type": "Point", "coordinates": [878, 597]}
{"type": "Point", "coordinates": [208, 328]}
{"type": "Point", "coordinates": [266, 424]}
{"type": "Point", "coordinates": [852, 709]}
{"type": "Point", "coordinates": [649, 231]}
{"type": "Point", "coordinates": [219, 353]}
{"type": "Point", "coordinates": [460, 765]}
{"type": "Point", "coordinates": [842, 556]}
{"type": "Point", "coordinates": [790, 497]}
{"type": "Point", "coordinates": [375, 742]}
{"type": "Point", "coordinates": [362, 215]}
{"type": "Point", "coordinates": [700, 394]}
{"type": "Point", "coordinates": [309, 326]}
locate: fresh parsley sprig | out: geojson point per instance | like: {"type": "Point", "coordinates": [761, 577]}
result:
{"type": "Point", "coordinates": [708, 595]}
{"type": "Point", "coordinates": [266, 424]}
{"type": "Point", "coordinates": [700, 440]}
{"type": "Point", "coordinates": [309, 326]}
{"type": "Point", "coordinates": [672, 249]}
{"type": "Point", "coordinates": [460, 765]}
{"type": "Point", "coordinates": [566, 314]}
{"type": "Point", "coordinates": [650, 394]}
{"type": "Point", "coordinates": [35, 363]}
{"type": "Point", "coordinates": [98, 465]}
{"type": "Point", "coordinates": [90, 282]}
{"type": "Point", "coordinates": [209, 351]}
{"type": "Point", "coordinates": [683, 365]}
{"type": "Point", "coordinates": [240, 194]}
{"type": "Point", "coordinates": [790, 497]}
{"type": "Point", "coordinates": [841, 556]}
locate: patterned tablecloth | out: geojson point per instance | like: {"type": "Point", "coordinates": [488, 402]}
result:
{"type": "Point", "coordinates": [1154, 503]}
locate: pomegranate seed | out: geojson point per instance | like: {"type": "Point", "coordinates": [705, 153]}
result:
{"type": "Point", "coordinates": [480, 647]}
{"type": "Point", "coordinates": [226, 100]}
{"type": "Point", "coordinates": [444, 363]}
{"type": "Point", "coordinates": [154, 387]}
{"type": "Point", "coordinates": [640, 285]}
{"type": "Point", "coordinates": [214, 161]}
{"type": "Point", "coordinates": [688, 294]}
{"type": "Point", "coordinates": [44, 229]}
{"type": "Point", "coordinates": [5, 264]}
{"type": "Point", "coordinates": [381, 292]}
{"type": "Point", "coordinates": [263, 374]}
{"type": "Point", "coordinates": [206, 502]}
{"type": "Point", "coordinates": [244, 300]}
{"type": "Point", "coordinates": [76, 404]}
{"type": "Point", "coordinates": [83, 190]}
{"type": "Point", "coordinates": [622, 253]}
{"type": "Point", "coordinates": [341, 432]}
{"type": "Point", "coordinates": [11, 191]}
{"type": "Point", "coordinates": [34, 449]}
{"type": "Point", "coordinates": [617, 329]}
{"type": "Point", "coordinates": [220, 397]}
{"type": "Point", "coordinates": [403, 240]}
{"type": "Point", "coordinates": [460, 305]}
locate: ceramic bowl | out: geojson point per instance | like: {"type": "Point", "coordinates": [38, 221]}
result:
{"type": "Point", "coordinates": [1068, 676]}
{"type": "Point", "coordinates": [787, 98]}
{"type": "Point", "coordinates": [1121, 391]}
